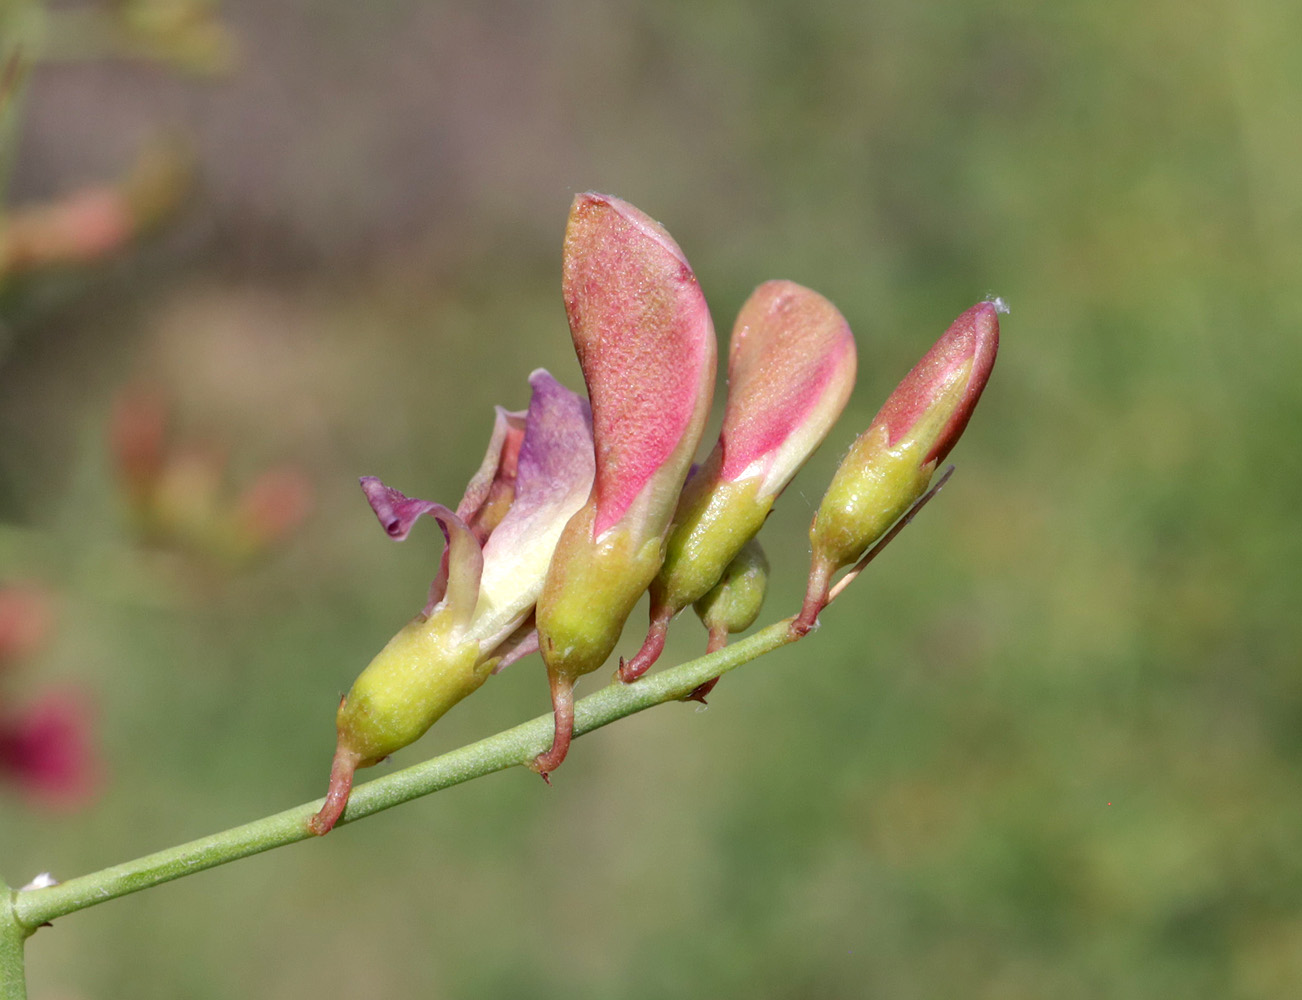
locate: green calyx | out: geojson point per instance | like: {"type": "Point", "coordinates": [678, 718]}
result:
{"type": "Point", "coordinates": [733, 604]}
{"type": "Point", "coordinates": [871, 490]}
{"type": "Point", "coordinates": [713, 523]}
{"type": "Point", "coordinates": [421, 673]}
{"type": "Point", "coordinates": [591, 588]}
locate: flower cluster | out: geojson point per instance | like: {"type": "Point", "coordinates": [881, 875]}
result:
{"type": "Point", "coordinates": [175, 495]}
{"type": "Point", "coordinates": [581, 506]}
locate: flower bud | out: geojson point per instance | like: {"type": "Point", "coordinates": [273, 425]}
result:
{"type": "Point", "coordinates": [791, 366]}
{"type": "Point", "coordinates": [732, 604]}
{"type": "Point", "coordinates": [891, 464]}
{"type": "Point", "coordinates": [646, 346]}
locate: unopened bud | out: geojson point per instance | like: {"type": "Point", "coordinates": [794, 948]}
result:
{"type": "Point", "coordinates": [791, 367]}
{"type": "Point", "coordinates": [646, 345]}
{"type": "Point", "coordinates": [732, 604]}
{"type": "Point", "coordinates": [890, 465]}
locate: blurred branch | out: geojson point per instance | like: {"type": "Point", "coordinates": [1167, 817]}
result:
{"type": "Point", "coordinates": [32, 908]}
{"type": "Point", "coordinates": [20, 29]}
{"type": "Point", "coordinates": [185, 35]}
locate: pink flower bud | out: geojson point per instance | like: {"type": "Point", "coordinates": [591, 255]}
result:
{"type": "Point", "coordinates": [646, 345]}
{"type": "Point", "coordinates": [890, 465]}
{"type": "Point", "coordinates": [791, 367]}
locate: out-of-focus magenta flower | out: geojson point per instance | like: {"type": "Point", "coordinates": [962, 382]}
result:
{"type": "Point", "coordinates": [537, 473]}
{"type": "Point", "coordinates": [791, 367]}
{"type": "Point", "coordinates": [47, 750]}
{"type": "Point", "coordinates": [891, 464]}
{"type": "Point", "coordinates": [646, 345]}
{"type": "Point", "coordinates": [272, 507]}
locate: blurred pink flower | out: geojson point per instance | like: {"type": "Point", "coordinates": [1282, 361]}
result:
{"type": "Point", "coordinates": [48, 751]}
{"type": "Point", "coordinates": [176, 491]}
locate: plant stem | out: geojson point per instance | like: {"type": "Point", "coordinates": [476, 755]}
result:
{"type": "Point", "coordinates": [13, 980]}
{"type": "Point", "coordinates": [520, 745]}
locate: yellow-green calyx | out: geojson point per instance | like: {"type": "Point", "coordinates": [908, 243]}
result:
{"type": "Point", "coordinates": [590, 590]}
{"type": "Point", "coordinates": [711, 526]}
{"type": "Point", "coordinates": [733, 604]}
{"type": "Point", "coordinates": [421, 673]}
{"type": "Point", "coordinates": [871, 490]}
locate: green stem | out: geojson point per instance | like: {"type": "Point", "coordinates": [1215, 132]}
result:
{"type": "Point", "coordinates": [520, 745]}
{"type": "Point", "coordinates": [13, 979]}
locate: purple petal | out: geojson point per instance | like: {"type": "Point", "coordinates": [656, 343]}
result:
{"type": "Point", "coordinates": [462, 565]}
{"type": "Point", "coordinates": [554, 478]}
{"type": "Point", "coordinates": [557, 456]}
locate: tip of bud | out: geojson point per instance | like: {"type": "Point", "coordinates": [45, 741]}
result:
{"type": "Point", "coordinates": [947, 383]}
{"type": "Point", "coordinates": [1000, 304]}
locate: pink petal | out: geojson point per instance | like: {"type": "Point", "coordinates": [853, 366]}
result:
{"type": "Point", "coordinates": [791, 366]}
{"type": "Point", "coordinates": [492, 488]}
{"type": "Point", "coordinates": [645, 342]}
{"type": "Point", "coordinates": [968, 346]}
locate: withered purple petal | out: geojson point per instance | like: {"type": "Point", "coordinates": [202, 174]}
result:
{"type": "Point", "coordinates": [395, 511]}
{"type": "Point", "coordinates": [462, 564]}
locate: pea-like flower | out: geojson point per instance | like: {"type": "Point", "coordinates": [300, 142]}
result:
{"type": "Point", "coordinates": [499, 542]}
{"type": "Point", "coordinates": [646, 346]}
{"type": "Point", "coordinates": [791, 367]}
{"type": "Point", "coordinates": [890, 465]}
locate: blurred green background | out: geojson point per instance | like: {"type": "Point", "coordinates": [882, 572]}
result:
{"type": "Point", "coordinates": [1049, 746]}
